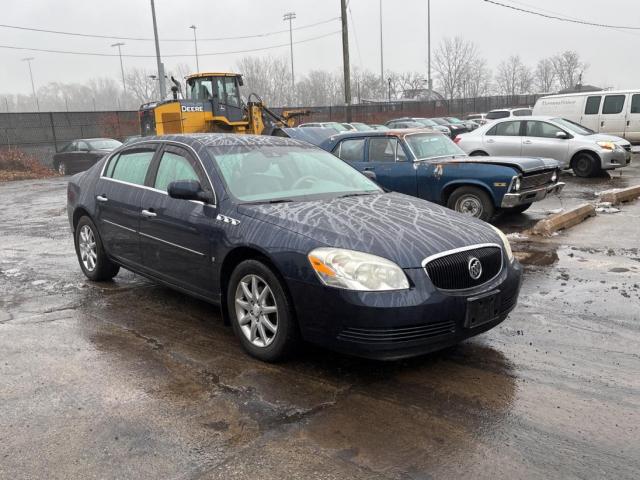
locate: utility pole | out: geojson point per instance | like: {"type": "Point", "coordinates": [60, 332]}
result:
{"type": "Point", "coordinates": [429, 81]}
{"type": "Point", "coordinates": [120, 44]}
{"type": "Point", "coordinates": [290, 16]}
{"type": "Point", "coordinates": [381, 51]}
{"type": "Point", "coordinates": [345, 58]}
{"type": "Point", "coordinates": [389, 97]}
{"type": "Point", "coordinates": [33, 88]}
{"type": "Point", "coordinates": [195, 41]}
{"type": "Point", "coordinates": [158, 60]}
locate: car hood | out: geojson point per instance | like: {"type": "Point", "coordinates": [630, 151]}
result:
{"type": "Point", "coordinates": [524, 164]}
{"type": "Point", "coordinates": [398, 227]}
{"type": "Point", "coordinates": [603, 137]}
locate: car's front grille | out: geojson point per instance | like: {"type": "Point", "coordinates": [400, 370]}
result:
{"type": "Point", "coordinates": [537, 180]}
{"type": "Point", "coordinates": [452, 271]}
{"type": "Point", "coordinates": [398, 334]}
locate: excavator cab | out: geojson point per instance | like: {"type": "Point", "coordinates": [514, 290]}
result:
{"type": "Point", "coordinates": [219, 90]}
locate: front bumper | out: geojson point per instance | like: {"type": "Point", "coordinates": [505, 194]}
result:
{"type": "Point", "coordinates": [511, 200]}
{"type": "Point", "coordinates": [393, 325]}
{"type": "Point", "coordinates": [615, 158]}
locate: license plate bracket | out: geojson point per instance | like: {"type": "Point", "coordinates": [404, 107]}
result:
{"type": "Point", "coordinates": [482, 309]}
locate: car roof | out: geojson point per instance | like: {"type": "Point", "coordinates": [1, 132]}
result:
{"type": "Point", "coordinates": [510, 109]}
{"type": "Point", "coordinates": [528, 117]}
{"type": "Point", "coordinates": [383, 133]}
{"type": "Point", "coordinates": [597, 92]}
{"type": "Point", "coordinates": [222, 139]}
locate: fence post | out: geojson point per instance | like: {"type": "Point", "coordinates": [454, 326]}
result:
{"type": "Point", "coordinates": [53, 132]}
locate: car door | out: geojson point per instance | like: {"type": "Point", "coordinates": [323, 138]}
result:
{"type": "Point", "coordinates": [591, 114]}
{"type": "Point", "coordinates": [540, 140]}
{"type": "Point", "coordinates": [504, 139]}
{"type": "Point", "coordinates": [612, 116]}
{"type": "Point", "coordinates": [174, 233]}
{"type": "Point", "coordinates": [387, 158]}
{"type": "Point", "coordinates": [118, 195]}
{"type": "Point", "coordinates": [632, 127]}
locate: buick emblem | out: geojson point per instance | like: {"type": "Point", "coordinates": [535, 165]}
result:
{"type": "Point", "coordinates": [475, 268]}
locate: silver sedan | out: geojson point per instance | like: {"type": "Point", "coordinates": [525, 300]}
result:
{"type": "Point", "coordinates": [572, 145]}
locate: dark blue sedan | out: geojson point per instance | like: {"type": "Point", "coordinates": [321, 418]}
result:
{"type": "Point", "coordinates": [293, 243]}
{"type": "Point", "coordinates": [427, 164]}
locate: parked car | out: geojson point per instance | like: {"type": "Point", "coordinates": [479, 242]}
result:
{"type": "Point", "coordinates": [293, 243]}
{"type": "Point", "coordinates": [348, 126]}
{"type": "Point", "coordinates": [378, 127]}
{"type": "Point", "coordinates": [403, 123]}
{"type": "Point", "coordinates": [361, 127]}
{"type": "Point", "coordinates": [82, 154]}
{"type": "Point", "coordinates": [468, 123]}
{"type": "Point", "coordinates": [426, 122]}
{"type": "Point", "coordinates": [613, 112]}
{"type": "Point", "coordinates": [454, 128]}
{"type": "Point", "coordinates": [338, 127]}
{"type": "Point", "coordinates": [478, 118]}
{"type": "Point", "coordinates": [508, 112]}
{"type": "Point", "coordinates": [572, 145]}
{"type": "Point", "coordinates": [430, 166]}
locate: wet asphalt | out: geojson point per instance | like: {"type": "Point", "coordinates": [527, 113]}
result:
{"type": "Point", "coordinates": [128, 379]}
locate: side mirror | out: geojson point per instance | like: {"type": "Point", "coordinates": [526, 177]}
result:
{"type": "Point", "coordinates": [562, 135]}
{"type": "Point", "coordinates": [189, 190]}
{"type": "Point", "coordinates": [371, 175]}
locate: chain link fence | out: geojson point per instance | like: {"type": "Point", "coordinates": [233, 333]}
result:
{"type": "Point", "coordinates": [43, 134]}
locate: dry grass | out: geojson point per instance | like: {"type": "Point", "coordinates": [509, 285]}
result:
{"type": "Point", "coordinates": [18, 165]}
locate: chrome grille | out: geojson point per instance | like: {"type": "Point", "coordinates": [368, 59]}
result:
{"type": "Point", "coordinates": [451, 271]}
{"type": "Point", "coordinates": [537, 180]}
{"type": "Point", "coordinates": [397, 334]}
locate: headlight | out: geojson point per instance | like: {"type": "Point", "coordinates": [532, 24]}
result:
{"type": "Point", "coordinates": [351, 270]}
{"type": "Point", "coordinates": [516, 184]}
{"type": "Point", "coordinates": [554, 177]}
{"type": "Point", "coordinates": [505, 242]}
{"type": "Point", "coordinates": [607, 145]}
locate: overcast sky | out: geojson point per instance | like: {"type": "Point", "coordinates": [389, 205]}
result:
{"type": "Point", "coordinates": [498, 33]}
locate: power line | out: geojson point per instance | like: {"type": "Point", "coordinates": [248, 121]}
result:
{"type": "Point", "coordinates": [97, 54]}
{"type": "Point", "coordinates": [560, 18]}
{"type": "Point", "coordinates": [144, 39]}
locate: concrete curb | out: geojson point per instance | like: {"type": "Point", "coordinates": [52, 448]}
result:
{"type": "Point", "coordinates": [563, 220]}
{"type": "Point", "coordinates": [620, 195]}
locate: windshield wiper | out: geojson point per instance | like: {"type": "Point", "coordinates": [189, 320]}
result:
{"type": "Point", "coordinates": [261, 202]}
{"type": "Point", "coordinates": [356, 194]}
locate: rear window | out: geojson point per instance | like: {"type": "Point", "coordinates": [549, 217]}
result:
{"type": "Point", "coordinates": [613, 104]}
{"type": "Point", "coordinates": [130, 167]}
{"type": "Point", "coordinates": [524, 112]}
{"type": "Point", "coordinates": [592, 107]}
{"type": "Point", "coordinates": [497, 114]}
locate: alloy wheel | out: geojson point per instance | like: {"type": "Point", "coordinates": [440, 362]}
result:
{"type": "Point", "coordinates": [88, 248]}
{"type": "Point", "coordinates": [256, 310]}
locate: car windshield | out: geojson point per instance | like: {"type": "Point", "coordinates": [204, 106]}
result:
{"type": "Point", "coordinates": [362, 127]}
{"type": "Point", "coordinates": [454, 120]}
{"type": "Point", "coordinates": [440, 121]}
{"type": "Point", "coordinates": [497, 114]}
{"type": "Point", "coordinates": [426, 122]}
{"type": "Point", "coordinates": [287, 173]}
{"type": "Point", "coordinates": [426, 146]}
{"type": "Point", "coordinates": [104, 144]}
{"type": "Point", "coordinates": [572, 126]}
{"type": "Point", "coordinates": [336, 126]}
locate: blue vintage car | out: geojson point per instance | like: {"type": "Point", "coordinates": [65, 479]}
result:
{"type": "Point", "coordinates": [428, 165]}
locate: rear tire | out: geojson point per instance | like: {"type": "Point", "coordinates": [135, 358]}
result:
{"type": "Point", "coordinates": [471, 201]}
{"type": "Point", "coordinates": [585, 165]}
{"type": "Point", "coordinates": [478, 153]}
{"type": "Point", "coordinates": [261, 313]}
{"type": "Point", "coordinates": [91, 255]}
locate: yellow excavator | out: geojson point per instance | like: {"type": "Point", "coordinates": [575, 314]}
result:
{"type": "Point", "coordinates": [211, 102]}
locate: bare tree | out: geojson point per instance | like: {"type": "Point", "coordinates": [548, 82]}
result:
{"type": "Point", "coordinates": [476, 81]}
{"type": "Point", "coordinates": [568, 68]}
{"type": "Point", "coordinates": [513, 77]}
{"type": "Point", "coordinates": [545, 76]}
{"type": "Point", "coordinates": [319, 88]}
{"type": "Point", "coordinates": [269, 77]}
{"type": "Point", "coordinates": [141, 85]}
{"type": "Point", "coordinates": [451, 62]}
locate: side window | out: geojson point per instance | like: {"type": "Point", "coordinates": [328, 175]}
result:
{"type": "Point", "coordinates": [130, 166]}
{"type": "Point", "coordinates": [592, 107]}
{"type": "Point", "coordinates": [542, 129]}
{"type": "Point", "coordinates": [172, 168]}
{"type": "Point", "coordinates": [83, 147]}
{"type": "Point", "coordinates": [635, 104]}
{"type": "Point", "coordinates": [525, 112]}
{"type": "Point", "coordinates": [352, 150]}
{"type": "Point", "coordinates": [385, 149]}
{"type": "Point", "coordinates": [613, 104]}
{"type": "Point", "coordinates": [506, 129]}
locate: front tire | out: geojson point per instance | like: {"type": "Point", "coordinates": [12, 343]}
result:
{"type": "Point", "coordinates": [91, 255]}
{"type": "Point", "coordinates": [471, 201]}
{"type": "Point", "coordinates": [260, 312]}
{"type": "Point", "coordinates": [586, 165]}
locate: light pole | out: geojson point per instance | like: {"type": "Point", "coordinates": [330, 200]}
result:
{"type": "Point", "coordinates": [120, 44]}
{"type": "Point", "coordinates": [158, 59]}
{"type": "Point", "coordinates": [381, 51]}
{"type": "Point", "coordinates": [429, 81]}
{"type": "Point", "coordinates": [33, 88]}
{"type": "Point", "coordinates": [290, 16]}
{"type": "Point", "coordinates": [389, 80]}
{"type": "Point", "coordinates": [195, 41]}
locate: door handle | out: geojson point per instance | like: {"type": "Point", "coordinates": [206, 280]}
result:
{"type": "Point", "coordinates": [148, 214]}
{"type": "Point", "coordinates": [527, 142]}
{"type": "Point", "coordinates": [628, 121]}
{"type": "Point", "coordinates": [102, 198]}
{"type": "Point", "coordinates": [490, 140]}
{"type": "Point", "coordinates": [602, 123]}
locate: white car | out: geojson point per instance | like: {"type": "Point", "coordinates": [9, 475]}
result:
{"type": "Point", "coordinates": [572, 145]}
{"type": "Point", "coordinates": [506, 113]}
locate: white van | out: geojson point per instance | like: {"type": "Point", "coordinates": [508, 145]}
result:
{"type": "Point", "coordinates": [613, 112]}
